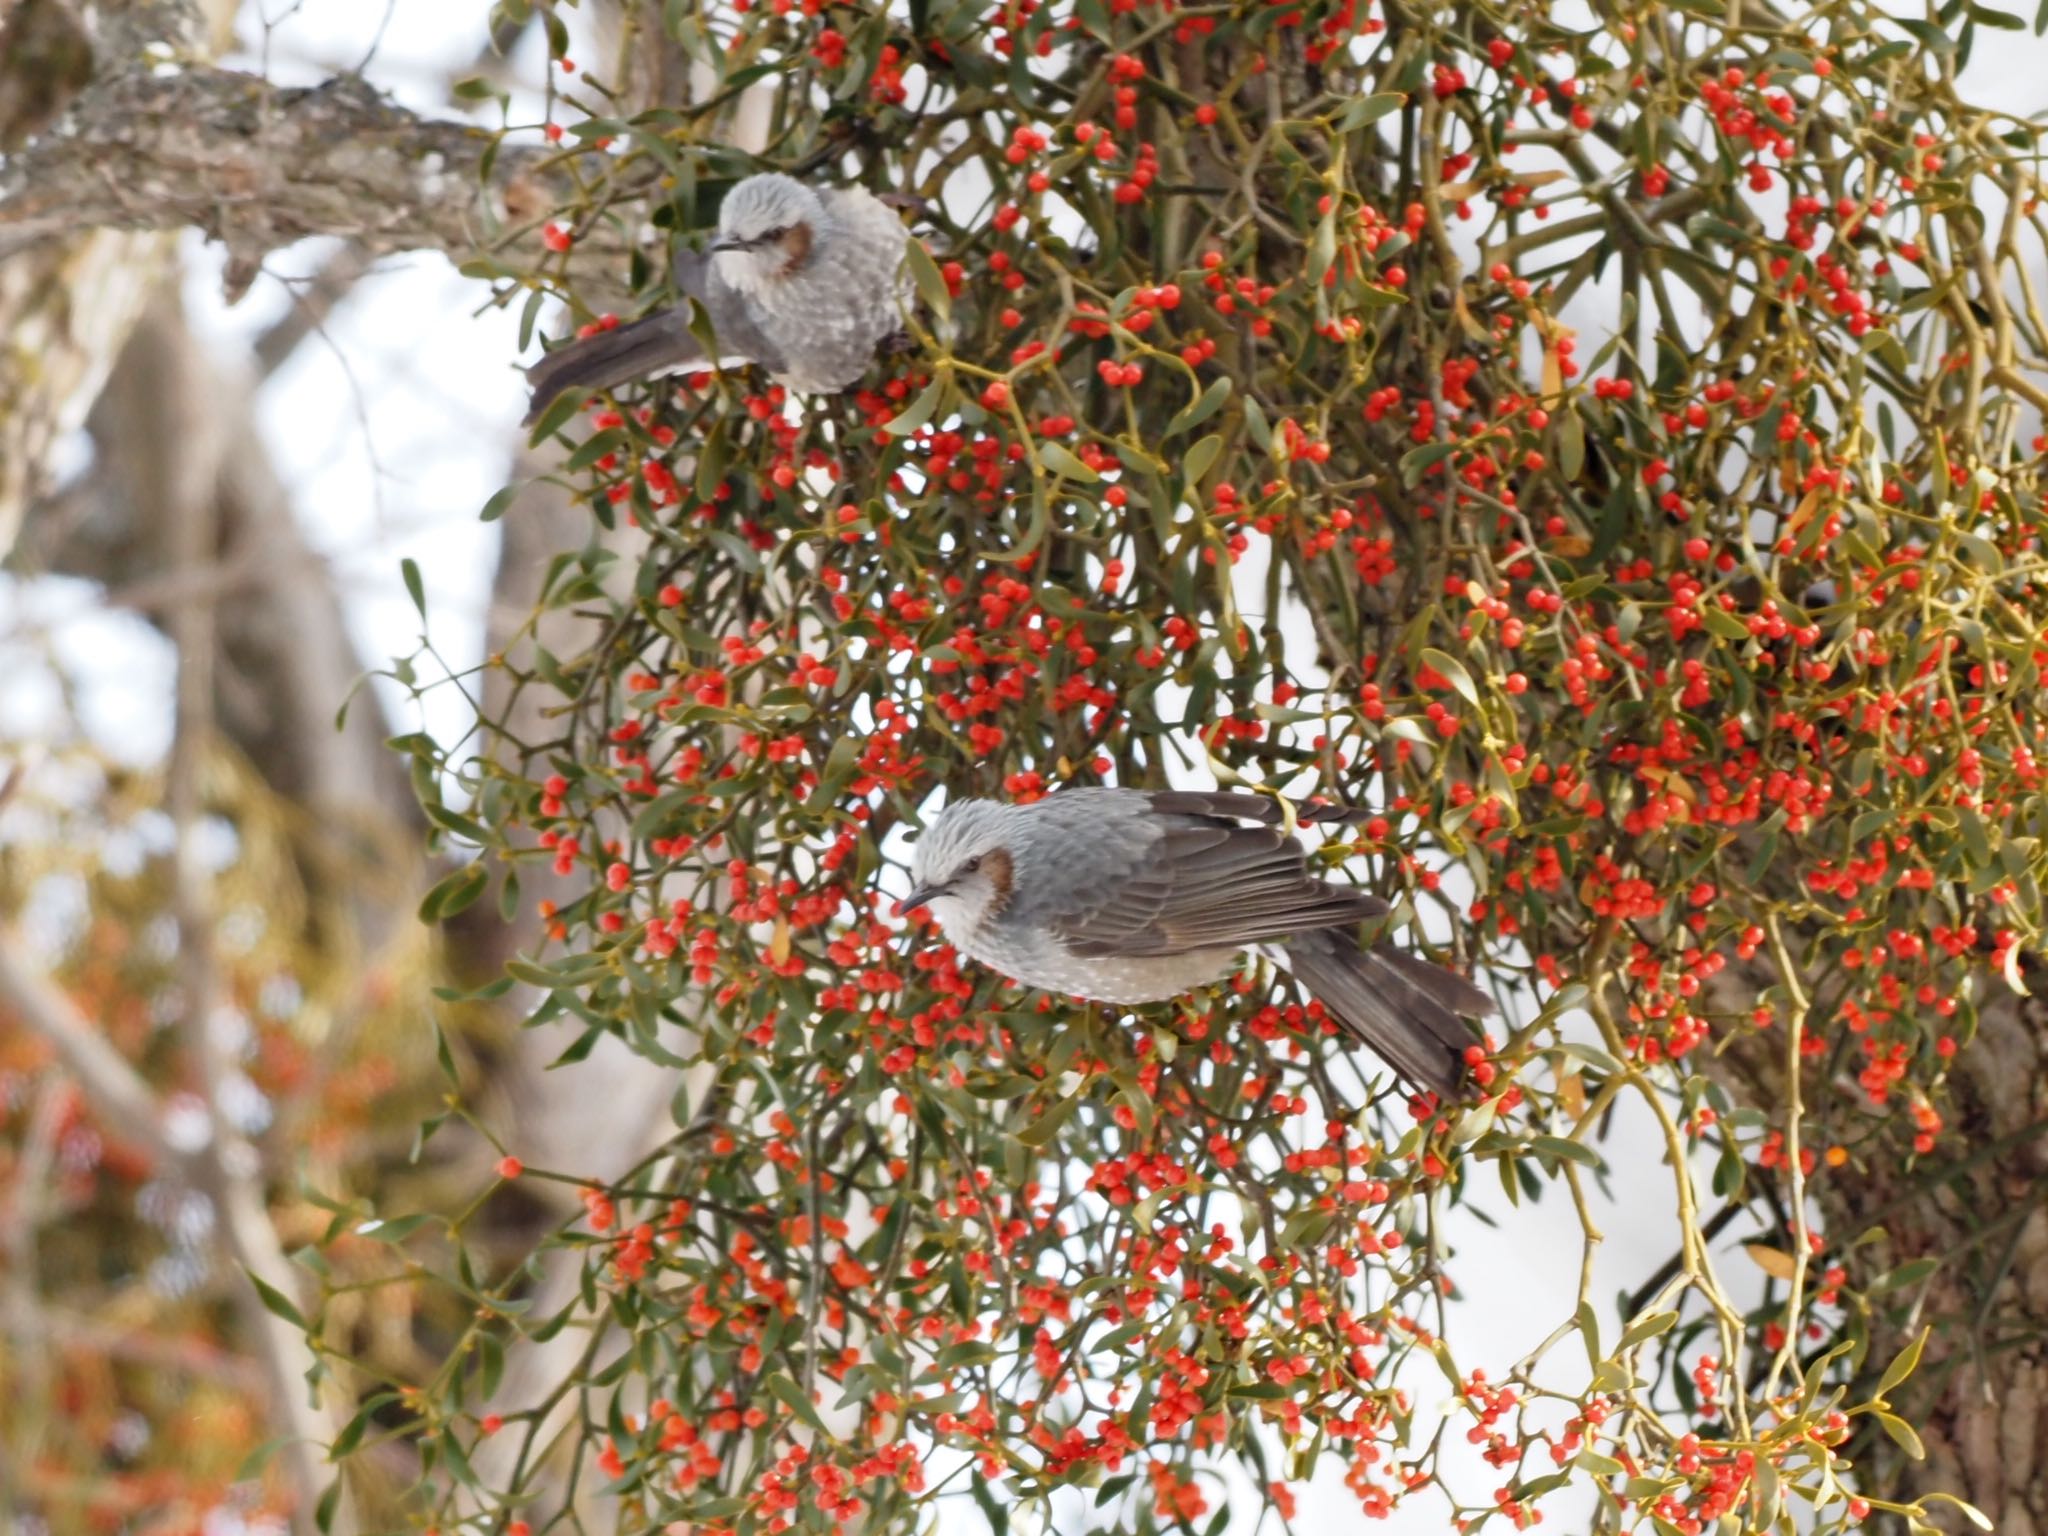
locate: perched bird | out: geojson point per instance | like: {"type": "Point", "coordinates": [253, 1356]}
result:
{"type": "Point", "coordinates": [1126, 896]}
{"type": "Point", "coordinates": [803, 282]}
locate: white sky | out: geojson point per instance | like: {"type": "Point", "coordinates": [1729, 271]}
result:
{"type": "Point", "coordinates": [396, 426]}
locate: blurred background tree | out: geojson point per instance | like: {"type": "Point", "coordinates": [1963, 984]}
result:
{"type": "Point", "coordinates": [1606, 444]}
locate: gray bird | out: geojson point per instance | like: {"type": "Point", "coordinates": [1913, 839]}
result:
{"type": "Point", "coordinates": [1126, 896]}
{"type": "Point", "coordinates": [803, 282]}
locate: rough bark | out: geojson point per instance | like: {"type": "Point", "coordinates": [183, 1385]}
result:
{"type": "Point", "coordinates": [63, 315]}
{"type": "Point", "coordinates": [259, 166]}
{"type": "Point", "coordinates": [1978, 1205]}
{"type": "Point", "coordinates": [1980, 1397]}
{"type": "Point", "coordinates": [67, 305]}
{"type": "Point", "coordinates": [49, 58]}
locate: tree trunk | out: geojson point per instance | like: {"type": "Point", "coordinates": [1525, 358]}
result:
{"type": "Point", "coordinates": [1972, 1218]}
{"type": "Point", "coordinates": [172, 425]}
{"type": "Point", "coordinates": [1979, 1207]}
{"type": "Point", "coordinates": [67, 306]}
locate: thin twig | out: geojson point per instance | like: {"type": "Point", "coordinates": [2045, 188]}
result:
{"type": "Point", "coordinates": [1795, 1035]}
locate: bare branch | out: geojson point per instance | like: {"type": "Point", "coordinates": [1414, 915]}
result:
{"type": "Point", "coordinates": [127, 32]}
{"type": "Point", "coordinates": [65, 310]}
{"type": "Point", "coordinates": [159, 1352]}
{"type": "Point", "coordinates": [259, 166]}
{"type": "Point", "coordinates": [55, 62]}
{"type": "Point", "coordinates": [233, 1173]}
{"type": "Point", "coordinates": [317, 297]}
{"type": "Point", "coordinates": [119, 1096]}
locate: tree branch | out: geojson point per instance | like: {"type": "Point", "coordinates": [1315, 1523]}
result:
{"type": "Point", "coordinates": [233, 1174]}
{"type": "Point", "coordinates": [120, 1098]}
{"type": "Point", "coordinates": [258, 167]}
{"type": "Point", "coordinates": [65, 311]}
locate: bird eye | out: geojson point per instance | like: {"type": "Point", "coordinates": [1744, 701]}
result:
{"type": "Point", "coordinates": [971, 865]}
{"type": "Point", "coordinates": [776, 234]}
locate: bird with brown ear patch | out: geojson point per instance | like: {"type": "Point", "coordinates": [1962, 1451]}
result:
{"type": "Point", "coordinates": [806, 283]}
{"type": "Point", "coordinates": [1126, 896]}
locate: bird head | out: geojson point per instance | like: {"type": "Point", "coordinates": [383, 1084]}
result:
{"type": "Point", "coordinates": [765, 230]}
{"type": "Point", "coordinates": [961, 867]}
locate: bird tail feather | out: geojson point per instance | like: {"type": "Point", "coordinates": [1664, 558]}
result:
{"type": "Point", "coordinates": [1408, 1010]}
{"type": "Point", "coordinates": [608, 359]}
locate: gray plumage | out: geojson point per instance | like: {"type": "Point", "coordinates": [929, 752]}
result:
{"type": "Point", "coordinates": [1126, 896]}
{"type": "Point", "coordinates": [805, 283]}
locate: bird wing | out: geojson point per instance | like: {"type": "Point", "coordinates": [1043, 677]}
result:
{"type": "Point", "coordinates": [732, 320]}
{"type": "Point", "coordinates": [1206, 880]}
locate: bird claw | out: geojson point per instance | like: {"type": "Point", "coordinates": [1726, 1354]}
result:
{"type": "Point", "coordinates": [897, 344]}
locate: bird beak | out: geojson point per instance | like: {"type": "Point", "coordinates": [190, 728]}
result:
{"type": "Point", "coordinates": [914, 933]}
{"type": "Point", "coordinates": [730, 243]}
{"type": "Point", "coordinates": [921, 897]}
